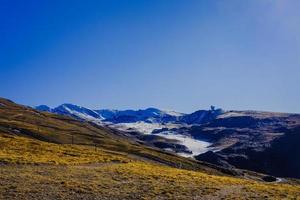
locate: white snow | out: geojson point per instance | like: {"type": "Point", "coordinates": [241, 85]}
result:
{"type": "Point", "coordinates": [143, 127]}
{"type": "Point", "coordinates": [173, 113]}
{"type": "Point", "coordinates": [81, 115]}
{"type": "Point", "coordinates": [195, 146]}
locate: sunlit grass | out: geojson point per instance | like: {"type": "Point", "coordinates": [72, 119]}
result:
{"type": "Point", "coordinates": [23, 150]}
{"type": "Point", "coordinates": [85, 171]}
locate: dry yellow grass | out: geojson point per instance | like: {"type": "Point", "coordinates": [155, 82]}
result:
{"type": "Point", "coordinates": [135, 180]}
{"type": "Point", "coordinates": [74, 171]}
{"type": "Point", "coordinates": [23, 150]}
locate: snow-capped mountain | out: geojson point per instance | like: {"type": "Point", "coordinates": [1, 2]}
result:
{"type": "Point", "coordinates": [150, 121]}
{"type": "Point", "coordinates": [149, 115]}
{"type": "Point", "coordinates": [78, 112]}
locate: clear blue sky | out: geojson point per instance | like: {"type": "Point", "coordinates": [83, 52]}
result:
{"type": "Point", "coordinates": [171, 54]}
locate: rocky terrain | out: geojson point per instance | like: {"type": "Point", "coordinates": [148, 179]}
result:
{"type": "Point", "coordinates": [259, 141]}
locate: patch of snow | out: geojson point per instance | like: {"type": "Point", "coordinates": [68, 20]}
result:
{"type": "Point", "coordinates": [81, 115]}
{"type": "Point", "coordinates": [143, 127]}
{"type": "Point", "coordinates": [279, 180]}
{"type": "Point", "coordinates": [173, 113]}
{"type": "Point", "coordinates": [195, 146]}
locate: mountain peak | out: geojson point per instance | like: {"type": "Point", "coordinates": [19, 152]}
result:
{"type": "Point", "coordinates": [43, 108]}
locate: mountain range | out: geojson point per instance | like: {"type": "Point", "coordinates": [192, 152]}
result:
{"type": "Point", "coordinates": [149, 115]}
{"type": "Point", "coordinates": [265, 142]}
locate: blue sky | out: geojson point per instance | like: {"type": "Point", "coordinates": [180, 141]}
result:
{"type": "Point", "coordinates": [178, 55]}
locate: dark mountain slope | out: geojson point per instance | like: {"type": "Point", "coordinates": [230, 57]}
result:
{"type": "Point", "coordinates": [258, 141]}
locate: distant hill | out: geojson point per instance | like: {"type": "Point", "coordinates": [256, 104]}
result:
{"type": "Point", "coordinates": [260, 141]}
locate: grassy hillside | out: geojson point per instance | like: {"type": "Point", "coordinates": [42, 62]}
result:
{"type": "Point", "coordinates": [39, 161]}
{"type": "Point", "coordinates": [34, 169]}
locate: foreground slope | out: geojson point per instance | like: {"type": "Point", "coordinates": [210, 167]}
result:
{"type": "Point", "coordinates": [38, 162]}
{"type": "Point", "coordinates": [33, 169]}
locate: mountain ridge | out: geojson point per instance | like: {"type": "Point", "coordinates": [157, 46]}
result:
{"type": "Point", "coordinates": [125, 116]}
